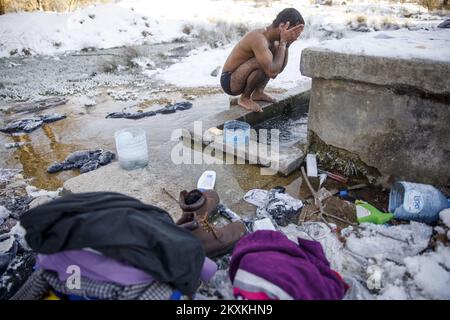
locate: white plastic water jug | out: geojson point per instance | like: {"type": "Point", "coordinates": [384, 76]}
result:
{"type": "Point", "coordinates": [131, 146]}
{"type": "Point", "coordinates": [416, 201]}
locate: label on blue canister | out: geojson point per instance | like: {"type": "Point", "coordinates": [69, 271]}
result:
{"type": "Point", "coordinates": [413, 201]}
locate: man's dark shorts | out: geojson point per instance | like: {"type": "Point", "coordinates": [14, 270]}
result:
{"type": "Point", "coordinates": [225, 82]}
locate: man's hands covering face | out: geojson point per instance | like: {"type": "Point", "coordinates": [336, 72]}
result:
{"type": "Point", "coordinates": [290, 35]}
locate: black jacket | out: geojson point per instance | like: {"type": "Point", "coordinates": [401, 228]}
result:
{"type": "Point", "coordinates": [122, 228]}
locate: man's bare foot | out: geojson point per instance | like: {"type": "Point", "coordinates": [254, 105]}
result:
{"type": "Point", "coordinates": [249, 104]}
{"type": "Point", "coordinates": [261, 96]}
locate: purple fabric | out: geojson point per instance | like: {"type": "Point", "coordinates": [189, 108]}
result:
{"type": "Point", "coordinates": [208, 270]}
{"type": "Point", "coordinates": [301, 270]}
{"type": "Point", "coordinates": [101, 268]}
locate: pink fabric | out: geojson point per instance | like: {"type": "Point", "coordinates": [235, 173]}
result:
{"type": "Point", "coordinates": [247, 295]}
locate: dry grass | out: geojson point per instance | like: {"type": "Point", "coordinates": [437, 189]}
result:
{"type": "Point", "coordinates": [223, 33]}
{"type": "Point", "coordinates": [388, 23]}
{"type": "Point", "coordinates": [44, 5]}
{"type": "Point", "coordinates": [127, 59]}
{"type": "Point", "coordinates": [362, 20]}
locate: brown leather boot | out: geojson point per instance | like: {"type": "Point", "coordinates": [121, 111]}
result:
{"type": "Point", "coordinates": [219, 241]}
{"type": "Point", "coordinates": [202, 203]}
{"type": "Point", "coordinates": [215, 241]}
{"type": "Point", "coordinates": [197, 207]}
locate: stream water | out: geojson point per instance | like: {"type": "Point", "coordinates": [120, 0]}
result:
{"type": "Point", "coordinates": [87, 128]}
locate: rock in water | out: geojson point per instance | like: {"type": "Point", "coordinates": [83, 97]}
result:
{"type": "Point", "coordinates": [445, 24]}
{"type": "Point", "coordinates": [39, 201]}
{"type": "Point", "coordinates": [14, 145]}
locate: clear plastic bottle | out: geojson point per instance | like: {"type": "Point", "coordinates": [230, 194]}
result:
{"type": "Point", "coordinates": [416, 201]}
{"type": "Point", "coordinates": [131, 146]}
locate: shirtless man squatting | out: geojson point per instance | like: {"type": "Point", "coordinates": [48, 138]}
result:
{"type": "Point", "coordinates": [259, 56]}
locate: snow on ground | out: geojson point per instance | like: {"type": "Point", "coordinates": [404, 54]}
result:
{"type": "Point", "coordinates": [405, 44]}
{"type": "Point", "coordinates": [391, 269]}
{"type": "Point", "coordinates": [49, 33]}
{"type": "Point", "coordinates": [136, 21]}
{"type": "Point", "coordinates": [325, 27]}
{"type": "Point", "coordinates": [444, 215]}
{"type": "Point", "coordinates": [430, 272]}
{"type": "Point", "coordinates": [219, 24]}
{"type": "Point", "coordinates": [195, 70]}
{"type": "Point", "coordinates": [390, 242]}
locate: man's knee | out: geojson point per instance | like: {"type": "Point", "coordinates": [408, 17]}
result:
{"type": "Point", "coordinates": [266, 77]}
{"type": "Point", "coordinates": [259, 74]}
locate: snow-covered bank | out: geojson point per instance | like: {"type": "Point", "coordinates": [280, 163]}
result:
{"type": "Point", "coordinates": [218, 25]}
{"type": "Point", "coordinates": [420, 44]}
{"type": "Point", "coordinates": [50, 33]}
{"type": "Point", "coordinates": [137, 21]}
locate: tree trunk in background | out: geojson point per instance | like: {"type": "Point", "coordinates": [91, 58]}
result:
{"type": "Point", "coordinates": [2, 7]}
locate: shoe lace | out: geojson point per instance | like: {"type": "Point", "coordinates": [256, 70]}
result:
{"type": "Point", "coordinates": [208, 227]}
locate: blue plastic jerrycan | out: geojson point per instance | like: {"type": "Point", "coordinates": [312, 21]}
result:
{"type": "Point", "coordinates": [416, 201]}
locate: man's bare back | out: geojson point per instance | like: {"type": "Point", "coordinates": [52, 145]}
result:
{"type": "Point", "coordinates": [259, 56]}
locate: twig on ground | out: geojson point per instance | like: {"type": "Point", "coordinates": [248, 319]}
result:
{"type": "Point", "coordinates": [317, 201]}
{"type": "Point", "coordinates": [341, 220]}
{"type": "Point", "coordinates": [171, 196]}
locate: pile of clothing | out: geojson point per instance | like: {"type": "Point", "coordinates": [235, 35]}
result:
{"type": "Point", "coordinates": [105, 245]}
{"type": "Point", "coordinates": [266, 265]}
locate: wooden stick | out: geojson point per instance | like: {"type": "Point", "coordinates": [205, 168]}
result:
{"type": "Point", "coordinates": [316, 198]}
{"type": "Point", "coordinates": [342, 220]}
{"type": "Point", "coordinates": [171, 196]}
{"type": "Point", "coordinates": [313, 192]}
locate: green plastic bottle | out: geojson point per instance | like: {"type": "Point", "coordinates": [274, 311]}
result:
{"type": "Point", "coordinates": [365, 212]}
